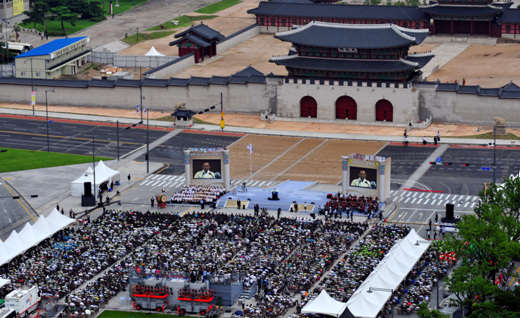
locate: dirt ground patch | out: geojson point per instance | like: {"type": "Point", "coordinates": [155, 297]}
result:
{"type": "Point", "coordinates": [265, 150]}
{"type": "Point", "coordinates": [322, 165]}
{"type": "Point", "coordinates": [229, 21]}
{"type": "Point", "coordinates": [485, 65]}
{"type": "Point", "coordinates": [255, 52]}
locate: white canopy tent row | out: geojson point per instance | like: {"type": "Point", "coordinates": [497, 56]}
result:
{"type": "Point", "coordinates": [371, 296]}
{"type": "Point", "coordinates": [325, 305]}
{"type": "Point", "coordinates": [32, 235]}
{"type": "Point", "coordinates": [103, 174]}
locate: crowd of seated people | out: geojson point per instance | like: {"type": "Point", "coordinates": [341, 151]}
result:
{"type": "Point", "coordinates": [352, 203]}
{"type": "Point", "coordinates": [195, 194]}
{"type": "Point", "coordinates": [281, 256]}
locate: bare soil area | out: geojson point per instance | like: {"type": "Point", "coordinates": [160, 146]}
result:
{"type": "Point", "coordinates": [255, 52]}
{"type": "Point", "coordinates": [321, 158]}
{"type": "Point", "coordinates": [485, 65]}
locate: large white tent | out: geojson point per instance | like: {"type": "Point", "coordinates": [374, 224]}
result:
{"type": "Point", "coordinates": [32, 235]}
{"type": "Point", "coordinates": [4, 282]}
{"type": "Point", "coordinates": [103, 174]}
{"type": "Point", "coordinates": [153, 52]}
{"type": "Point", "coordinates": [370, 297]}
{"type": "Point", "coordinates": [325, 305]}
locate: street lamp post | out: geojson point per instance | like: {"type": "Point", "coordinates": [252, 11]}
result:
{"type": "Point", "coordinates": [147, 145]}
{"type": "Point", "coordinates": [494, 154]}
{"type": "Point", "coordinates": [117, 129]}
{"type": "Point", "coordinates": [47, 116]}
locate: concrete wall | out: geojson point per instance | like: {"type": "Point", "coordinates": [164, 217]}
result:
{"type": "Point", "coordinates": [168, 71]}
{"type": "Point", "coordinates": [450, 107]}
{"type": "Point", "coordinates": [129, 60]}
{"type": "Point", "coordinates": [7, 70]}
{"type": "Point", "coordinates": [238, 38]}
{"type": "Point", "coordinates": [250, 98]}
{"type": "Point", "coordinates": [404, 100]}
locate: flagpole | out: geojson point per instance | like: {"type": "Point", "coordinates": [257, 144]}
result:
{"type": "Point", "coordinates": [250, 166]}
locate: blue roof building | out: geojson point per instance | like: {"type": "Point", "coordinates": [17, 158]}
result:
{"type": "Point", "coordinates": [51, 60]}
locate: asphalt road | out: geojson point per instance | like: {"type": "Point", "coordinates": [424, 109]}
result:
{"type": "Point", "coordinates": [12, 213]}
{"type": "Point", "coordinates": [72, 137]}
{"type": "Point", "coordinates": [171, 152]}
{"type": "Point", "coordinates": [470, 179]}
{"type": "Point", "coordinates": [405, 160]}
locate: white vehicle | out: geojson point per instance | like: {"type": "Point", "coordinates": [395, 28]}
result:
{"type": "Point", "coordinates": [17, 47]}
{"type": "Point", "coordinates": [7, 313]}
{"type": "Point", "coordinates": [23, 300]}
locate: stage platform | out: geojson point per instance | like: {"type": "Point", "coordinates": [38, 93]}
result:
{"type": "Point", "coordinates": [288, 192]}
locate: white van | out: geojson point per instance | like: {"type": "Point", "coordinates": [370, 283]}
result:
{"type": "Point", "coordinates": [18, 47]}
{"type": "Point", "coordinates": [23, 300]}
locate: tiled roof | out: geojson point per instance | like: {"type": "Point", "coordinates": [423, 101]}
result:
{"type": "Point", "coordinates": [469, 89]}
{"type": "Point", "coordinates": [359, 36]}
{"type": "Point", "coordinates": [128, 82]}
{"type": "Point", "coordinates": [102, 83]}
{"type": "Point", "coordinates": [249, 71]}
{"type": "Point", "coordinates": [421, 59]}
{"type": "Point", "coordinates": [509, 16]}
{"type": "Point", "coordinates": [490, 92]}
{"type": "Point", "coordinates": [201, 81]}
{"type": "Point", "coordinates": [338, 11]}
{"type": "Point", "coordinates": [183, 113]}
{"type": "Point", "coordinates": [363, 66]}
{"type": "Point", "coordinates": [219, 80]}
{"type": "Point", "coordinates": [462, 11]}
{"type": "Point", "coordinates": [155, 82]}
{"type": "Point", "coordinates": [203, 31]}
{"type": "Point", "coordinates": [44, 82]}
{"type": "Point", "coordinates": [178, 81]}
{"type": "Point", "coordinates": [192, 38]}
{"type": "Point", "coordinates": [447, 87]}
{"type": "Point", "coordinates": [50, 47]}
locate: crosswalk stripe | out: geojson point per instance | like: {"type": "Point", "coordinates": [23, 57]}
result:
{"type": "Point", "coordinates": [433, 201]}
{"type": "Point", "coordinates": [419, 201]}
{"type": "Point", "coordinates": [413, 200]}
{"type": "Point", "coordinates": [465, 205]}
{"type": "Point", "coordinates": [425, 202]}
{"type": "Point", "coordinates": [146, 182]}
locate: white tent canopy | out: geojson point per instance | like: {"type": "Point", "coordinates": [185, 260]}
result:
{"type": "Point", "coordinates": [153, 52]}
{"type": "Point", "coordinates": [32, 235]}
{"type": "Point", "coordinates": [103, 174]}
{"type": "Point", "coordinates": [387, 276]}
{"type": "Point", "coordinates": [4, 282]}
{"type": "Point", "coordinates": [325, 305]}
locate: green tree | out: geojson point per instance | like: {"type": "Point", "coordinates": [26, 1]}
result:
{"type": "Point", "coordinates": [63, 14]}
{"type": "Point", "coordinates": [412, 3]}
{"type": "Point", "coordinates": [94, 10]}
{"type": "Point", "coordinates": [425, 312]}
{"type": "Point", "coordinates": [373, 2]}
{"type": "Point", "coordinates": [486, 243]}
{"type": "Point", "coordinates": [37, 13]}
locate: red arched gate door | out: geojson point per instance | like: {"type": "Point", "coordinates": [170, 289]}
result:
{"type": "Point", "coordinates": [308, 107]}
{"type": "Point", "coordinates": [346, 107]}
{"type": "Point", "coordinates": [384, 111]}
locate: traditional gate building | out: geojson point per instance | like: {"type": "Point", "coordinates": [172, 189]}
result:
{"type": "Point", "coordinates": [200, 39]}
{"type": "Point", "coordinates": [350, 53]}
{"type": "Point", "coordinates": [465, 17]}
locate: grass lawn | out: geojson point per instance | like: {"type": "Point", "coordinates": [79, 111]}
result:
{"type": "Point", "coordinates": [134, 314]}
{"type": "Point", "coordinates": [184, 20]}
{"type": "Point", "coordinates": [216, 7]}
{"type": "Point", "coordinates": [54, 27]}
{"type": "Point", "coordinates": [19, 159]}
{"type": "Point", "coordinates": [489, 135]}
{"type": "Point", "coordinates": [132, 39]}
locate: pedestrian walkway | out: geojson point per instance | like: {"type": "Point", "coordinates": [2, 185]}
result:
{"type": "Point", "coordinates": [423, 168]}
{"type": "Point", "coordinates": [434, 200]}
{"type": "Point", "coordinates": [171, 182]}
